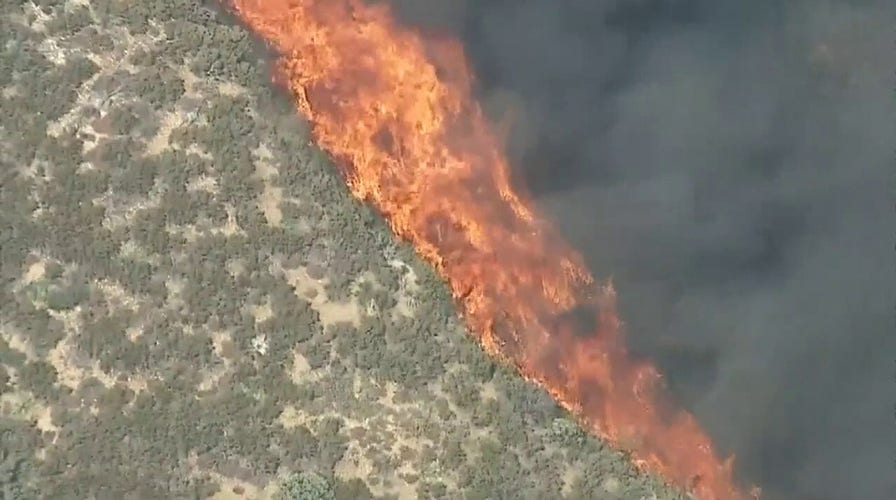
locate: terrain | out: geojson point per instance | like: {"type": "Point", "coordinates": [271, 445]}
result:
{"type": "Point", "coordinates": [193, 305]}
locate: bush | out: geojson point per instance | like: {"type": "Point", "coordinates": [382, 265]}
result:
{"type": "Point", "coordinates": [306, 486]}
{"type": "Point", "coordinates": [66, 298]}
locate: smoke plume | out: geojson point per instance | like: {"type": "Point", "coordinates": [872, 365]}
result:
{"type": "Point", "coordinates": [728, 163]}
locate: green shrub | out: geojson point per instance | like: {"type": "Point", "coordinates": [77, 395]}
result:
{"type": "Point", "coordinates": [306, 486]}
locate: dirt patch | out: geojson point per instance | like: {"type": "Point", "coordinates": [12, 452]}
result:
{"type": "Point", "coordinates": [314, 292]}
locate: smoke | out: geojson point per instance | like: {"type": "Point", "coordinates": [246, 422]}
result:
{"type": "Point", "coordinates": [727, 163]}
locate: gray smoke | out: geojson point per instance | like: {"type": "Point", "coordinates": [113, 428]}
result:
{"type": "Point", "coordinates": [730, 164]}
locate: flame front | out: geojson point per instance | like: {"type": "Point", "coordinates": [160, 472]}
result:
{"type": "Point", "coordinates": [395, 110]}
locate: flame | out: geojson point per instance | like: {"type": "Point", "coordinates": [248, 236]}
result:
{"type": "Point", "coordinates": [395, 110]}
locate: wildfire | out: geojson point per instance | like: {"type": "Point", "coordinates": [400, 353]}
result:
{"type": "Point", "coordinates": [395, 110]}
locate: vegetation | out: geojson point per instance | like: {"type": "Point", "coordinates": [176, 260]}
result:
{"type": "Point", "coordinates": [306, 486]}
{"type": "Point", "coordinates": [192, 303]}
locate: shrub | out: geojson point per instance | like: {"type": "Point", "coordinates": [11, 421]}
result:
{"type": "Point", "coordinates": [306, 486]}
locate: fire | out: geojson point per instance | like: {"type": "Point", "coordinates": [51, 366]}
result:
{"type": "Point", "coordinates": [395, 109]}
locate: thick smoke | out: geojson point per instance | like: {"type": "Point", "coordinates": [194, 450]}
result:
{"type": "Point", "coordinates": [729, 163]}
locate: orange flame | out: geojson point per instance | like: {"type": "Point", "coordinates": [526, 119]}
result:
{"type": "Point", "coordinates": [396, 112]}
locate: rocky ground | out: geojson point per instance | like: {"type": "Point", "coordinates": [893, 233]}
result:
{"type": "Point", "coordinates": [192, 305]}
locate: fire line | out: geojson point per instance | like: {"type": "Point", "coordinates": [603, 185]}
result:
{"type": "Point", "coordinates": [395, 110]}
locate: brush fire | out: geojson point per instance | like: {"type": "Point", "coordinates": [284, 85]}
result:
{"type": "Point", "coordinates": [395, 110]}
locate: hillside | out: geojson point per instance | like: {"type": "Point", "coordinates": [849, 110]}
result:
{"type": "Point", "coordinates": [193, 305]}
